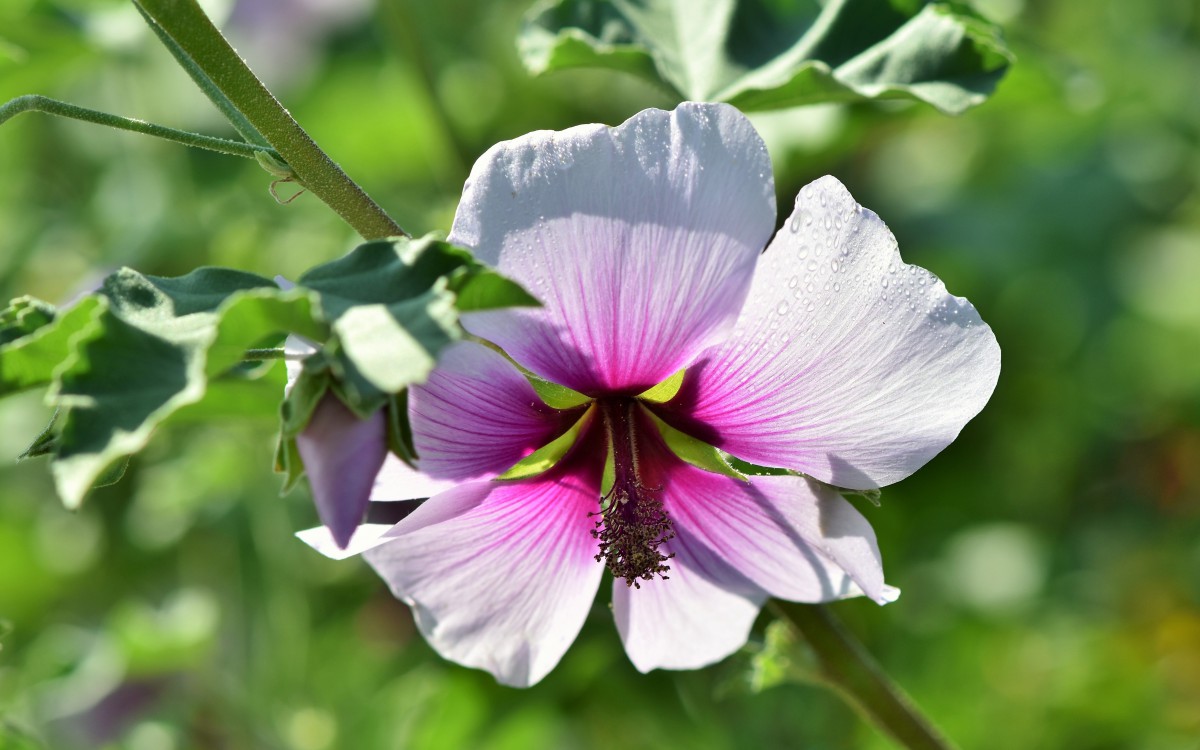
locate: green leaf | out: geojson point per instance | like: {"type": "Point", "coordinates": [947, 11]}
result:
{"type": "Point", "coordinates": [765, 54]}
{"type": "Point", "coordinates": [482, 288]}
{"type": "Point", "coordinates": [391, 312]}
{"type": "Point", "coordinates": [160, 340]}
{"type": "Point", "coordinates": [23, 316]}
{"type": "Point", "coordinates": [31, 360]}
{"type": "Point", "coordinates": [45, 443]}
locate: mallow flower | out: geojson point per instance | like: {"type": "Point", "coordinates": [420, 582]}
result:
{"type": "Point", "coordinates": [593, 432]}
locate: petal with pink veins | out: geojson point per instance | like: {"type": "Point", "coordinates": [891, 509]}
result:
{"type": "Point", "coordinates": [639, 240]}
{"type": "Point", "coordinates": [793, 537]}
{"type": "Point", "coordinates": [477, 415]}
{"type": "Point", "coordinates": [701, 613]}
{"type": "Point", "coordinates": [846, 363]}
{"type": "Point", "coordinates": [500, 575]}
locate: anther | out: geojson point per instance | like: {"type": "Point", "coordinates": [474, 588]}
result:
{"type": "Point", "coordinates": [633, 524]}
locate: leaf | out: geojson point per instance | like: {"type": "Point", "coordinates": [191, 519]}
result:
{"type": "Point", "coordinates": [160, 342]}
{"type": "Point", "coordinates": [765, 54]}
{"type": "Point", "coordinates": [31, 360]}
{"type": "Point", "coordinates": [484, 289]}
{"type": "Point", "coordinates": [23, 316]}
{"type": "Point", "coordinates": [45, 443]}
{"type": "Point", "coordinates": [391, 312]}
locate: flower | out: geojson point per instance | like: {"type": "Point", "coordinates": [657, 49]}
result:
{"type": "Point", "coordinates": [825, 355]}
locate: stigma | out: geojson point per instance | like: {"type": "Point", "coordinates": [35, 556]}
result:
{"type": "Point", "coordinates": [633, 524]}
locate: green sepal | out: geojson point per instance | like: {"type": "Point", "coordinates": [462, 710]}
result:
{"type": "Point", "coordinates": [874, 497]}
{"type": "Point", "coordinates": [295, 411]}
{"type": "Point", "coordinates": [783, 658]}
{"type": "Point", "coordinates": [666, 390]}
{"type": "Point", "coordinates": [554, 395]}
{"type": "Point", "coordinates": [695, 452]}
{"type": "Point", "coordinates": [754, 470]}
{"type": "Point", "coordinates": [546, 457]}
{"type": "Point", "coordinates": [399, 429]}
{"type": "Point", "coordinates": [761, 55]}
{"type": "Point", "coordinates": [745, 467]}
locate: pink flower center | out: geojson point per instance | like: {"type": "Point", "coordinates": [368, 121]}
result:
{"type": "Point", "coordinates": [633, 524]}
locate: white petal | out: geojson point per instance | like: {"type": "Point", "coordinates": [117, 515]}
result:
{"type": "Point", "coordinates": [846, 364]}
{"type": "Point", "coordinates": [700, 614]}
{"type": "Point", "coordinates": [365, 537]}
{"type": "Point", "coordinates": [639, 241]}
{"type": "Point", "coordinates": [398, 481]}
{"type": "Point", "coordinates": [500, 576]}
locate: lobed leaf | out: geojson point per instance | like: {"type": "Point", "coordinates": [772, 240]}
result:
{"type": "Point", "coordinates": [144, 349]}
{"type": "Point", "coordinates": [764, 54]}
{"type": "Point", "coordinates": [160, 340]}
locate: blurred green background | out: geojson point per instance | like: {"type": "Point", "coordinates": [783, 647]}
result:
{"type": "Point", "coordinates": [1050, 557]}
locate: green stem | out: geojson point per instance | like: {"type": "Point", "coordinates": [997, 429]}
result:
{"type": "Point", "coordinates": [187, 25]}
{"type": "Point", "coordinates": [236, 118]}
{"type": "Point", "coordinates": [36, 103]}
{"type": "Point", "coordinates": [260, 355]}
{"type": "Point", "coordinates": [849, 669]}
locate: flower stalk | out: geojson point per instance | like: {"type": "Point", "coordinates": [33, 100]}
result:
{"type": "Point", "coordinates": [195, 36]}
{"type": "Point", "coordinates": [847, 668]}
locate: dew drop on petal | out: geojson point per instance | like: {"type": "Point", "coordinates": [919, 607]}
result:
{"type": "Point", "coordinates": [782, 308]}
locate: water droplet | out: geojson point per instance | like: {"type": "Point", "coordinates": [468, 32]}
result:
{"type": "Point", "coordinates": [834, 265]}
{"type": "Point", "coordinates": [782, 308]}
{"type": "Point", "coordinates": [837, 287]}
{"type": "Point", "coordinates": [793, 282]}
{"type": "Point", "coordinates": [802, 252]}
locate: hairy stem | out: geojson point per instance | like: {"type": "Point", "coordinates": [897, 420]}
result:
{"type": "Point", "coordinates": [198, 39]}
{"type": "Point", "coordinates": [846, 666]}
{"type": "Point", "coordinates": [215, 95]}
{"type": "Point", "coordinates": [36, 103]}
{"type": "Point", "coordinates": [260, 355]}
